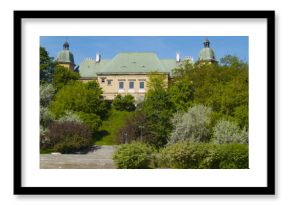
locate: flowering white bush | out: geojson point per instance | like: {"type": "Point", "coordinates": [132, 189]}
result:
{"type": "Point", "coordinates": [70, 116]}
{"type": "Point", "coordinates": [192, 125]}
{"type": "Point", "coordinates": [46, 117]}
{"type": "Point", "coordinates": [46, 93]}
{"type": "Point", "coordinates": [229, 132]}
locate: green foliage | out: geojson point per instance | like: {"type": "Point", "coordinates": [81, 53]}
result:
{"type": "Point", "coordinates": [79, 97]}
{"type": "Point", "coordinates": [67, 137]}
{"type": "Point", "coordinates": [182, 94]}
{"type": "Point", "coordinates": [158, 109]}
{"type": "Point", "coordinates": [136, 155]}
{"type": "Point", "coordinates": [156, 81]}
{"type": "Point", "coordinates": [232, 61]}
{"type": "Point", "coordinates": [189, 155]}
{"type": "Point", "coordinates": [182, 155]}
{"type": "Point", "coordinates": [46, 66]}
{"type": "Point", "coordinates": [192, 125]}
{"type": "Point", "coordinates": [223, 88]}
{"type": "Point", "coordinates": [47, 92]}
{"type": "Point", "coordinates": [63, 76]}
{"type": "Point", "coordinates": [124, 103]}
{"type": "Point", "coordinates": [92, 120]}
{"type": "Point", "coordinates": [227, 156]}
{"type": "Point", "coordinates": [229, 132]}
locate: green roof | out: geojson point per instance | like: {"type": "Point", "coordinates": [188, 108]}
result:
{"type": "Point", "coordinates": [127, 62]}
{"type": "Point", "coordinates": [65, 56]}
{"type": "Point", "coordinates": [89, 67]}
{"type": "Point", "coordinates": [206, 54]}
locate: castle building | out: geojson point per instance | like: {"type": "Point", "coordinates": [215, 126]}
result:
{"type": "Point", "coordinates": [65, 58]}
{"type": "Point", "coordinates": [128, 72]}
{"type": "Point", "coordinates": [206, 54]}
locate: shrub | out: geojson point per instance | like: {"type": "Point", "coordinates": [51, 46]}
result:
{"type": "Point", "coordinates": [131, 131]}
{"type": "Point", "coordinates": [183, 155]}
{"type": "Point", "coordinates": [136, 155]}
{"type": "Point", "coordinates": [124, 103]}
{"type": "Point", "coordinates": [189, 155]}
{"type": "Point", "coordinates": [70, 116]}
{"type": "Point", "coordinates": [229, 132]}
{"type": "Point", "coordinates": [46, 117]}
{"type": "Point", "coordinates": [227, 156]}
{"type": "Point", "coordinates": [92, 120]}
{"type": "Point", "coordinates": [47, 92]}
{"type": "Point", "coordinates": [192, 125]}
{"type": "Point", "coordinates": [68, 137]}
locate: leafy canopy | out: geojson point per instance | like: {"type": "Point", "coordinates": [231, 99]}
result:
{"type": "Point", "coordinates": [79, 97]}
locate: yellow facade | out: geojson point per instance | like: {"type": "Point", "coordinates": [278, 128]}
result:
{"type": "Point", "coordinates": [67, 65]}
{"type": "Point", "coordinates": [133, 84]}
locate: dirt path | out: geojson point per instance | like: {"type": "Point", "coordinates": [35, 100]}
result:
{"type": "Point", "coordinates": [98, 158]}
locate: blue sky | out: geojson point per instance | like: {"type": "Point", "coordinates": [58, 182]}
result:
{"type": "Point", "coordinates": [165, 46]}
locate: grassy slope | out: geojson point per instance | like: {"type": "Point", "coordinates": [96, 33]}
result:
{"type": "Point", "coordinates": [108, 131]}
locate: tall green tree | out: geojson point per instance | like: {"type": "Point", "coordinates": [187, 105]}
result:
{"type": "Point", "coordinates": [158, 110]}
{"type": "Point", "coordinates": [182, 94]}
{"type": "Point", "coordinates": [46, 66]}
{"type": "Point", "coordinates": [63, 76]}
{"type": "Point", "coordinates": [223, 87]}
{"type": "Point", "coordinates": [232, 61]}
{"type": "Point", "coordinates": [79, 97]}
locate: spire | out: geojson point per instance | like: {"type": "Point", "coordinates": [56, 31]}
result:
{"type": "Point", "coordinates": [65, 46]}
{"type": "Point", "coordinates": [206, 43]}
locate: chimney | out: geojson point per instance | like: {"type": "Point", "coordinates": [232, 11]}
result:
{"type": "Point", "coordinates": [98, 57]}
{"type": "Point", "coordinates": [177, 57]}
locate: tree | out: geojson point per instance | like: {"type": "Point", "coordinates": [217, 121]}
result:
{"type": "Point", "coordinates": [46, 66]}
{"type": "Point", "coordinates": [226, 132]}
{"type": "Point", "coordinates": [158, 110]}
{"type": "Point", "coordinates": [192, 125]}
{"type": "Point", "coordinates": [79, 97]}
{"type": "Point", "coordinates": [47, 92]}
{"type": "Point", "coordinates": [124, 103]}
{"type": "Point", "coordinates": [63, 76]}
{"type": "Point", "coordinates": [232, 62]}
{"type": "Point", "coordinates": [182, 94]}
{"type": "Point", "coordinates": [223, 88]}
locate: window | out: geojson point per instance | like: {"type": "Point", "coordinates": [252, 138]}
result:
{"type": "Point", "coordinates": [121, 85]}
{"type": "Point", "coordinates": [131, 85]}
{"type": "Point", "coordinates": [141, 86]}
{"type": "Point", "coordinates": [109, 82]}
{"type": "Point", "coordinates": [103, 80]}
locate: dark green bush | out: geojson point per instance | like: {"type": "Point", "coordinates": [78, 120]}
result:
{"type": "Point", "coordinates": [136, 155]}
{"type": "Point", "coordinates": [67, 137]}
{"type": "Point", "coordinates": [124, 103]}
{"type": "Point", "coordinates": [92, 120]}
{"type": "Point", "coordinates": [189, 155]}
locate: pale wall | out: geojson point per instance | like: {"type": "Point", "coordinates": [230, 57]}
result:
{"type": "Point", "coordinates": [111, 91]}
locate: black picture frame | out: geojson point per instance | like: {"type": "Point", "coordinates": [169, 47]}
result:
{"type": "Point", "coordinates": [19, 189]}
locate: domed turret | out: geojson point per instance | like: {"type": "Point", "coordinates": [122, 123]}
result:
{"type": "Point", "coordinates": [206, 54]}
{"type": "Point", "coordinates": [65, 57]}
